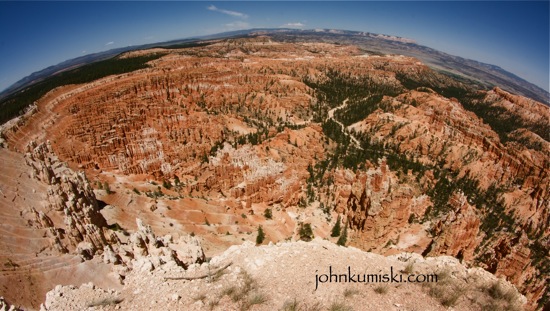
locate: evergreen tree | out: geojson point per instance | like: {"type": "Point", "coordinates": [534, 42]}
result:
{"type": "Point", "coordinates": [306, 233]}
{"type": "Point", "coordinates": [344, 237]}
{"type": "Point", "coordinates": [336, 228]}
{"type": "Point", "coordinates": [261, 236]}
{"type": "Point", "coordinates": [268, 214]}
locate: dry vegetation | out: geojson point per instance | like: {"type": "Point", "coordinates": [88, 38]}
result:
{"type": "Point", "coordinates": [449, 290]}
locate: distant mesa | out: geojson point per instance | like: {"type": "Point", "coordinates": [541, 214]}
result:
{"type": "Point", "coordinates": [487, 75]}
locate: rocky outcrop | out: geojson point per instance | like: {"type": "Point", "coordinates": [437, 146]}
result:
{"type": "Point", "coordinates": [278, 276]}
{"type": "Point", "coordinates": [69, 194]}
{"type": "Point", "coordinates": [4, 306]}
{"type": "Point", "coordinates": [144, 251]}
{"type": "Point", "coordinates": [457, 234]}
{"type": "Point", "coordinates": [56, 233]}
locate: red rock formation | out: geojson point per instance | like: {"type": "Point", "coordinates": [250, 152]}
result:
{"type": "Point", "coordinates": [239, 124]}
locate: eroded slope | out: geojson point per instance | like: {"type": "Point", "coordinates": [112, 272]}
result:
{"type": "Point", "coordinates": [210, 138]}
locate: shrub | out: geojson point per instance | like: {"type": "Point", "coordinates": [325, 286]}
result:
{"type": "Point", "coordinates": [200, 297]}
{"type": "Point", "coordinates": [105, 302]}
{"type": "Point", "coordinates": [107, 188]}
{"type": "Point", "coordinates": [213, 303]}
{"type": "Point", "coordinates": [447, 290]}
{"type": "Point", "coordinates": [409, 268]}
{"type": "Point", "coordinates": [381, 289]}
{"type": "Point", "coordinates": [339, 306]}
{"type": "Point", "coordinates": [116, 227]}
{"type": "Point", "coordinates": [232, 292]}
{"type": "Point", "coordinates": [501, 298]}
{"type": "Point", "coordinates": [244, 294]}
{"type": "Point", "coordinates": [294, 305]}
{"type": "Point", "coordinates": [10, 264]}
{"type": "Point", "coordinates": [256, 299]}
{"type": "Point", "coordinates": [348, 292]}
{"type": "Point", "coordinates": [498, 291]}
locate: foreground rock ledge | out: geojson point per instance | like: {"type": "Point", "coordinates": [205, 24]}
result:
{"type": "Point", "coordinates": [281, 276]}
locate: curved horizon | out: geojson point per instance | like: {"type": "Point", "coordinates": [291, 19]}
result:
{"type": "Point", "coordinates": [52, 33]}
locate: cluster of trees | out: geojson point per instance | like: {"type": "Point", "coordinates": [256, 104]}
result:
{"type": "Point", "coordinates": [439, 83]}
{"type": "Point", "coordinates": [281, 126]}
{"type": "Point", "coordinates": [253, 138]}
{"type": "Point", "coordinates": [333, 130]}
{"type": "Point", "coordinates": [155, 194]}
{"type": "Point", "coordinates": [12, 105]}
{"type": "Point", "coordinates": [503, 122]}
{"type": "Point", "coordinates": [339, 86]}
{"type": "Point", "coordinates": [358, 110]}
{"type": "Point", "coordinates": [349, 156]}
{"type": "Point", "coordinates": [498, 118]}
{"type": "Point", "coordinates": [364, 97]}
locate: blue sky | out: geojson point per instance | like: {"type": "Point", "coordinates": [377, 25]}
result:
{"type": "Point", "coordinates": [512, 35]}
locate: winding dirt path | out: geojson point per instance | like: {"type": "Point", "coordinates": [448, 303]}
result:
{"type": "Point", "coordinates": [331, 116]}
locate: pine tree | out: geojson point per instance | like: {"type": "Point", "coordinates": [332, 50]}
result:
{"type": "Point", "coordinates": [336, 228]}
{"type": "Point", "coordinates": [268, 214]}
{"type": "Point", "coordinates": [344, 237]}
{"type": "Point", "coordinates": [261, 236]}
